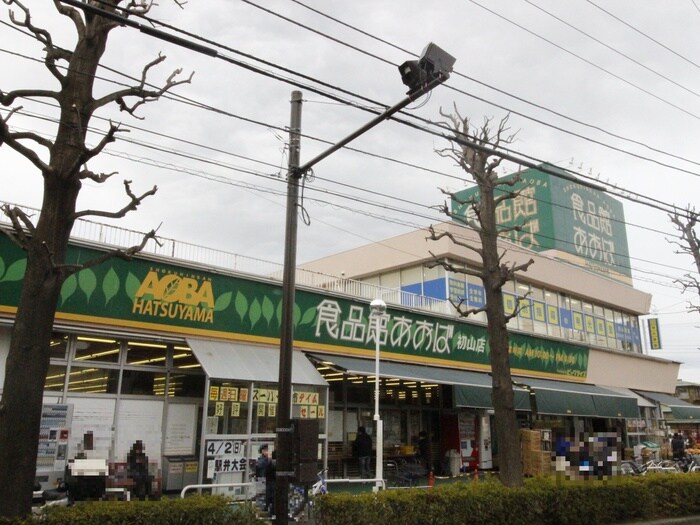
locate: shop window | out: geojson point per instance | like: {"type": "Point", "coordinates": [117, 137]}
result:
{"type": "Point", "coordinates": [308, 402]}
{"type": "Point", "coordinates": [183, 358]}
{"type": "Point", "coordinates": [93, 380]}
{"type": "Point", "coordinates": [58, 346]}
{"type": "Point", "coordinates": [97, 349]}
{"type": "Point", "coordinates": [55, 378]}
{"type": "Point", "coordinates": [265, 403]}
{"type": "Point", "coordinates": [146, 353]}
{"type": "Point", "coordinates": [430, 394]}
{"type": "Point", "coordinates": [359, 392]}
{"type": "Point", "coordinates": [139, 383]}
{"type": "Point", "coordinates": [227, 412]}
{"type": "Point", "coordinates": [186, 385]}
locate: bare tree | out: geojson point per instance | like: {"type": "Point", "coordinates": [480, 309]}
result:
{"type": "Point", "coordinates": [686, 223]}
{"type": "Point", "coordinates": [62, 163]}
{"type": "Point", "coordinates": [475, 151]}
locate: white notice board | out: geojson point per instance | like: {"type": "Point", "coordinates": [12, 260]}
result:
{"type": "Point", "coordinates": [180, 430]}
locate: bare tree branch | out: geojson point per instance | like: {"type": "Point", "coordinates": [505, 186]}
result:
{"type": "Point", "coordinates": [11, 139]}
{"type": "Point", "coordinates": [436, 236]}
{"type": "Point", "coordinates": [8, 98]}
{"type": "Point", "coordinates": [73, 14]}
{"type": "Point", "coordinates": [21, 224]}
{"type": "Point", "coordinates": [42, 36]}
{"type": "Point", "coordinates": [689, 244]}
{"type": "Point", "coordinates": [126, 254]}
{"type": "Point", "coordinates": [133, 204]}
{"type": "Point", "coordinates": [96, 177]}
{"type": "Point", "coordinates": [109, 137]}
{"type": "Point", "coordinates": [28, 135]}
{"type": "Point", "coordinates": [140, 91]}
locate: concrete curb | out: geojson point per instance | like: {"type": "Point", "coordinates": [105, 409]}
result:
{"type": "Point", "coordinates": [686, 520]}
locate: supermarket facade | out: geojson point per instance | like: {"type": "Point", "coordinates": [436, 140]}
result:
{"type": "Point", "coordinates": [181, 352]}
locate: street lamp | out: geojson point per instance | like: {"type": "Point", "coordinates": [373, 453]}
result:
{"type": "Point", "coordinates": [378, 307]}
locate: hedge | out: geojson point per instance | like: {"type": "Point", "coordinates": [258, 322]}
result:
{"type": "Point", "coordinates": [194, 510]}
{"type": "Point", "coordinates": [545, 501]}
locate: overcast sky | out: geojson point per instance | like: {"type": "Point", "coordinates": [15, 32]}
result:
{"type": "Point", "coordinates": [627, 79]}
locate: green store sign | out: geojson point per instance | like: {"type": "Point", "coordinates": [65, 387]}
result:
{"type": "Point", "coordinates": [156, 296]}
{"type": "Point", "coordinates": [555, 213]}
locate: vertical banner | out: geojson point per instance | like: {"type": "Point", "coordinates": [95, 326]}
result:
{"type": "Point", "coordinates": [654, 333]}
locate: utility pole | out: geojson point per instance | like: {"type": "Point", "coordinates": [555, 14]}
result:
{"type": "Point", "coordinates": [421, 76]}
{"type": "Point", "coordinates": [284, 421]}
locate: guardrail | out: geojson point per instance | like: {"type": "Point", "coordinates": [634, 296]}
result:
{"type": "Point", "coordinates": [249, 485]}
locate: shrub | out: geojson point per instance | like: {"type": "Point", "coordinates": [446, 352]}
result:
{"type": "Point", "coordinates": [194, 510]}
{"type": "Point", "coordinates": [546, 501]}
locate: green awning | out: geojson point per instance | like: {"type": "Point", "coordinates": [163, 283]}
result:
{"type": "Point", "coordinates": [472, 388]}
{"type": "Point", "coordinates": [580, 399]}
{"type": "Point", "coordinates": [680, 410]}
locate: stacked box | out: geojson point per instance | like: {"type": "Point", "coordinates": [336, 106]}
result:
{"type": "Point", "coordinates": [536, 462]}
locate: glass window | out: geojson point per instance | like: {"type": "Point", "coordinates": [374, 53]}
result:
{"type": "Point", "coordinates": [58, 346]}
{"type": "Point", "coordinates": [186, 385]}
{"type": "Point", "coordinates": [265, 402]}
{"type": "Point", "coordinates": [146, 353]}
{"type": "Point", "coordinates": [184, 358]}
{"type": "Point", "coordinates": [97, 349]}
{"type": "Point", "coordinates": [55, 378]}
{"type": "Point", "coordinates": [552, 313]}
{"type": "Point", "coordinates": [143, 383]}
{"type": "Point", "coordinates": [228, 406]}
{"type": "Point", "coordinates": [93, 380]}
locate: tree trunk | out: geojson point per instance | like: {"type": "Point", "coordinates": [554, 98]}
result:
{"type": "Point", "coordinates": [28, 358]}
{"type": "Point", "coordinates": [507, 437]}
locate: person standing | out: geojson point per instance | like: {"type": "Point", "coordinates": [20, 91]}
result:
{"type": "Point", "coordinates": [678, 446]}
{"type": "Point", "coordinates": [424, 450]}
{"type": "Point", "coordinates": [362, 450]}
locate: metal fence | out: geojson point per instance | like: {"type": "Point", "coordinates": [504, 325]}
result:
{"type": "Point", "coordinates": [115, 236]}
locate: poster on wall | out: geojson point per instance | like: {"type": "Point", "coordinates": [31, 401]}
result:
{"type": "Point", "coordinates": [180, 430]}
{"type": "Point", "coordinates": [91, 416]}
{"type": "Point", "coordinates": [140, 420]}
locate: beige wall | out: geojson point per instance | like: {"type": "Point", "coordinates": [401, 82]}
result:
{"type": "Point", "coordinates": [622, 369]}
{"type": "Point", "coordinates": [412, 248]}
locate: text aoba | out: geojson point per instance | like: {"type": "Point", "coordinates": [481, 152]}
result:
{"type": "Point", "coordinates": [175, 297]}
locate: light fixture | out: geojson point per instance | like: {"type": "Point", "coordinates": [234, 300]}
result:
{"type": "Point", "coordinates": [433, 63]}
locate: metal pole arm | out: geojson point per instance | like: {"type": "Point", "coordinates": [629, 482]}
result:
{"type": "Point", "coordinates": [376, 120]}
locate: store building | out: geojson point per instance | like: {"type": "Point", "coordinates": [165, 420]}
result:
{"type": "Point", "coordinates": [179, 349]}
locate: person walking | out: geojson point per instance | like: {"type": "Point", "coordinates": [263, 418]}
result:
{"type": "Point", "coordinates": [362, 450]}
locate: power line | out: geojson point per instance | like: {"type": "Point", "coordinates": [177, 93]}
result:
{"type": "Point", "coordinates": [515, 97]}
{"type": "Point", "coordinates": [518, 160]}
{"type": "Point", "coordinates": [642, 33]}
{"type": "Point", "coordinates": [613, 49]}
{"type": "Point", "coordinates": [589, 62]}
{"type": "Point", "coordinates": [353, 209]}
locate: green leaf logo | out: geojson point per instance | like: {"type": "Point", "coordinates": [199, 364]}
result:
{"type": "Point", "coordinates": [110, 285]}
{"type": "Point", "coordinates": [297, 314]}
{"type": "Point", "coordinates": [87, 282]}
{"type": "Point", "coordinates": [2, 267]}
{"type": "Point", "coordinates": [268, 309]}
{"type": "Point", "coordinates": [309, 316]}
{"type": "Point", "coordinates": [69, 287]}
{"type": "Point", "coordinates": [254, 312]}
{"type": "Point", "coordinates": [223, 301]}
{"type": "Point", "coordinates": [241, 305]}
{"type": "Point", "coordinates": [16, 271]}
{"type": "Point", "coordinates": [132, 285]}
